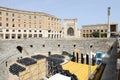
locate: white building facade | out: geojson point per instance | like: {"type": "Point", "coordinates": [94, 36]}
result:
{"type": "Point", "coordinates": [20, 24]}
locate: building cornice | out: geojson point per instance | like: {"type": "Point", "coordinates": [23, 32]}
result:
{"type": "Point", "coordinates": [26, 12]}
{"type": "Point", "coordinates": [99, 25]}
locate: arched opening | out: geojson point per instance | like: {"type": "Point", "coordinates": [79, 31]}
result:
{"type": "Point", "coordinates": [74, 45]}
{"type": "Point", "coordinates": [58, 45]}
{"type": "Point", "coordinates": [43, 45]}
{"type": "Point", "coordinates": [6, 63]}
{"type": "Point", "coordinates": [70, 31]}
{"type": "Point", "coordinates": [31, 46]}
{"type": "Point", "coordinates": [77, 57]}
{"type": "Point", "coordinates": [19, 49]}
{"type": "Point", "coordinates": [49, 53]}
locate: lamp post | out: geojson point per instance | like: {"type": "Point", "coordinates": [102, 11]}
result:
{"type": "Point", "coordinates": [89, 66]}
{"type": "Point", "coordinates": [108, 32]}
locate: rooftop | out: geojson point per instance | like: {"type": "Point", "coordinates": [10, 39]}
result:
{"type": "Point", "coordinates": [27, 61]}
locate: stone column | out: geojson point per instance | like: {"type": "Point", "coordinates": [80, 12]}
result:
{"type": "Point", "coordinates": [3, 35]}
{"type": "Point", "coordinates": [10, 36]}
{"type": "Point", "coordinates": [108, 34]}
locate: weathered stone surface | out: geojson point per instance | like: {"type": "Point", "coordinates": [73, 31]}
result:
{"type": "Point", "coordinates": [9, 52]}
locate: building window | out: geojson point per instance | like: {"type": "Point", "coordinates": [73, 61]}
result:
{"type": "Point", "coordinates": [58, 45]}
{"type": "Point", "coordinates": [7, 36]}
{"type": "Point", "coordinates": [43, 45]}
{"type": "Point", "coordinates": [0, 24]}
{"type": "Point", "coordinates": [74, 45]}
{"type": "Point", "coordinates": [90, 35]}
{"type": "Point", "coordinates": [35, 35]}
{"type": "Point", "coordinates": [106, 30]}
{"type": "Point", "coordinates": [51, 18]}
{"type": "Point", "coordinates": [19, 36]}
{"type": "Point", "coordinates": [48, 35]}
{"type": "Point", "coordinates": [40, 35]}
{"type": "Point", "coordinates": [13, 36]}
{"type": "Point", "coordinates": [12, 19]}
{"type": "Point", "coordinates": [6, 14]}
{"type": "Point", "coordinates": [29, 30]}
{"type": "Point", "coordinates": [35, 31]}
{"type": "Point", "coordinates": [0, 18]}
{"type": "Point", "coordinates": [6, 24]}
{"type": "Point", "coordinates": [13, 25]}
{"type": "Point", "coordinates": [24, 30]}
{"type": "Point", "coordinates": [40, 31]}
{"type": "Point", "coordinates": [7, 30]}
{"type": "Point", "coordinates": [13, 30]}
{"type": "Point", "coordinates": [83, 35]}
{"type": "Point", "coordinates": [31, 46]}
{"type": "Point", "coordinates": [0, 12]}
{"type": "Point", "coordinates": [49, 53]}
{"type": "Point", "coordinates": [86, 35]}
{"type": "Point", "coordinates": [29, 17]}
{"type": "Point", "coordinates": [101, 30]}
{"type": "Point", "coordinates": [30, 35]}
{"type": "Point", "coordinates": [19, 25]}
{"type": "Point", "coordinates": [49, 31]}
{"type": "Point", "coordinates": [97, 30]}
{"type": "Point", "coordinates": [13, 15]}
{"type": "Point", "coordinates": [90, 30]}
{"type": "Point", "coordinates": [19, 30]}
{"type": "Point", "coordinates": [6, 19]}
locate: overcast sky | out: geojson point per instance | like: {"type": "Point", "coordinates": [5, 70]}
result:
{"type": "Point", "coordinates": [86, 11]}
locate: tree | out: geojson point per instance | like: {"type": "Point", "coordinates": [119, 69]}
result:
{"type": "Point", "coordinates": [103, 34]}
{"type": "Point", "coordinates": [95, 34]}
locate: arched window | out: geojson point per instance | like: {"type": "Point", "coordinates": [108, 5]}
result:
{"type": "Point", "coordinates": [13, 25]}
{"type": "Point", "coordinates": [70, 31]}
{"type": "Point", "coordinates": [19, 49]}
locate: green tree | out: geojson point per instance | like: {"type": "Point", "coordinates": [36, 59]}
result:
{"type": "Point", "coordinates": [103, 34]}
{"type": "Point", "coordinates": [95, 34]}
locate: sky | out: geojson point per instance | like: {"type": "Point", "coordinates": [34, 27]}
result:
{"type": "Point", "coordinates": [86, 11]}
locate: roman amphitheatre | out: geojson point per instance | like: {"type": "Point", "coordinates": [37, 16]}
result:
{"type": "Point", "coordinates": [42, 51]}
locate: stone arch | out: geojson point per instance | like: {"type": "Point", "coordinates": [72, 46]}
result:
{"type": "Point", "coordinates": [70, 31]}
{"type": "Point", "coordinates": [19, 49]}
